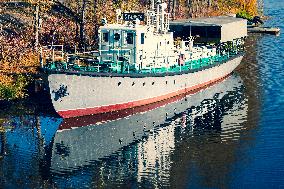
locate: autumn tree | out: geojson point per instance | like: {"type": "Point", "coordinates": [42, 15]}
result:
{"type": "Point", "coordinates": [39, 7]}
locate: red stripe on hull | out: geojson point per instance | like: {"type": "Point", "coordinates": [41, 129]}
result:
{"type": "Point", "coordinates": [117, 107]}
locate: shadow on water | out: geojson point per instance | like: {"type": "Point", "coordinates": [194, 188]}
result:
{"type": "Point", "coordinates": [36, 105]}
{"type": "Point", "coordinates": [181, 142]}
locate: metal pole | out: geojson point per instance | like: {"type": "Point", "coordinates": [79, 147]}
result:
{"type": "Point", "coordinates": [190, 29]}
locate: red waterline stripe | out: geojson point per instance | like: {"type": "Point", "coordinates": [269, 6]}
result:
{"type": "Point", "coordinates": [117, 107]}
{"type": "Point", "coordinates": [81, 121]}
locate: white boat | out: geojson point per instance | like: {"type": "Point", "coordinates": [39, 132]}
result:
{"type": "Point", "coordinates": [138, 63]}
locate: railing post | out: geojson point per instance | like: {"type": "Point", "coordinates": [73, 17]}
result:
{"type": "Point", "coordinates": [41, 57]}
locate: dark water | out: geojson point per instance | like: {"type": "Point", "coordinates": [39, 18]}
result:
{"type": "Point", "coordinates": [229, 135]}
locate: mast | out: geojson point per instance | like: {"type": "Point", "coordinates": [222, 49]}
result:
{"type": "Point", "coordinates": [158, 17]}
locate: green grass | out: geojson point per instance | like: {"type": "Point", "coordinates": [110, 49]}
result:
{"type": "Point", "coordinates": [14, 90]}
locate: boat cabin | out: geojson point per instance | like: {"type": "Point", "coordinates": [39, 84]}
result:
{"type": "Point", "coordinates": [136, 45]}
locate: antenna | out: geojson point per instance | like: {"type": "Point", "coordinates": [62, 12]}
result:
{"type": "Point", "coordinates": [153, 4]}
{"type": "Point", "coordinates": [118, 15]}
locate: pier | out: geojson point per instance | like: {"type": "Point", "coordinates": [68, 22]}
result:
{"type": "Point", "coordinates": [265, 30]}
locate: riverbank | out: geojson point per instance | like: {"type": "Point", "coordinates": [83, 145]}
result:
{"type": "Point", "coordinates": [32, 105]}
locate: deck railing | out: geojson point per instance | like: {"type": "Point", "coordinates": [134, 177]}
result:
{"type": "Point", "coordinates": [94, 65]}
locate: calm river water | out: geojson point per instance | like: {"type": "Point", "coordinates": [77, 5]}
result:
{"type": "Point", "coordinates": [229, 135]}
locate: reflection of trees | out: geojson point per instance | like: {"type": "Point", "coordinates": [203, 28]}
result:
{"type": "Point", "coordinates": [3, 142]}
{"type": "Point", "coordinates": [2, 139]}
{"type": "Point", "coordinates": [248, 70]}
{"type": "Point", "coordinates": [23, 160]}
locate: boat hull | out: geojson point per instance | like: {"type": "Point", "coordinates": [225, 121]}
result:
{"type": "Point", "coordinates": [76, 95]}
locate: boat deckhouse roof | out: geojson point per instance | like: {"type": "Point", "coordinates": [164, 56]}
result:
{"type": "Point", "coordinates": [212, 29]}
{"type": "Point", "coordinates": [122, 27]}
{"type": "Point", "coordinates": [213, 21]}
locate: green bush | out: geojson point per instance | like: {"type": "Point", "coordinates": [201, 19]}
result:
{"type": "Point", "coordinates": [14, 90]}
{"type": "Point", "coordinates": [244, 14]}
{"type": "Point", "coordinates": [7, 92]}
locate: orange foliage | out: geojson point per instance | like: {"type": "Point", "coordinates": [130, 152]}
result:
{"type": "Point", "coordinates": [17, 57]}
{"type": "Point", "coordinates": [203, 8]}
{"type": "Point", "coordinates": [235, 6]}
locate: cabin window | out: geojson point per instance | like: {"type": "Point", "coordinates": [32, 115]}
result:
{"type": "Point", "coordinates": [142, 38]}
{"type": "Point", "coordinates": [105, 37]}
{"type": "Point", "coordinates": [129, 38]}
{"type": "Point", "coordinates": [116, 36]}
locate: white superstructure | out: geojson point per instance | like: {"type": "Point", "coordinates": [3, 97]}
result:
{"type": "Point", "coordinates": [143, 46]}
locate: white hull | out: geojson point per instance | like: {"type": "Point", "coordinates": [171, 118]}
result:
{"type": "Point", "coordinates": [77, 95]}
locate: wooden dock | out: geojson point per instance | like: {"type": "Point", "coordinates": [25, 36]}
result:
{"type": "Point", "coordinates": [261, 29]}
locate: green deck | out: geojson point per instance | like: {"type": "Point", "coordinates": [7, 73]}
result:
{"type": "Point", "coordinates": [116, 67]}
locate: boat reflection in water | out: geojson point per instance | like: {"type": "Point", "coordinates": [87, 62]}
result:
{"type": "Point", "coordinates": [140, 147]}
{"type": "Point", "coordinates": [169, 143]}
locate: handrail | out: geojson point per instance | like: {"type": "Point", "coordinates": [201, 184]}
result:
{"type": "Point", "coordinates": [119, 65]}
